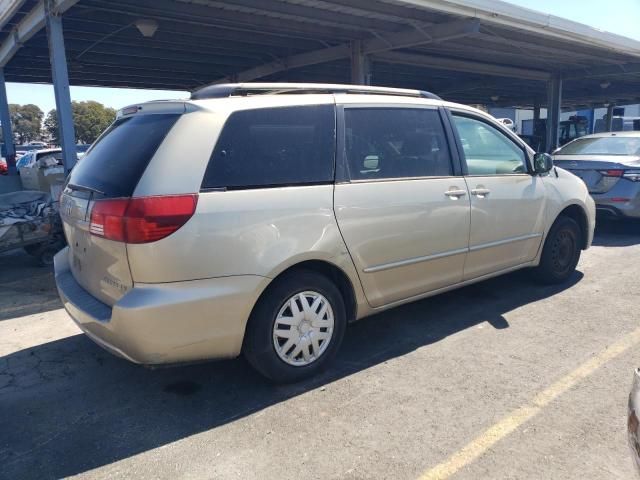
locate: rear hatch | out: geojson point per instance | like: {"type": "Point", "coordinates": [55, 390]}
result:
{"type": "Point", "coordinates": [600, 173]}
{"type": "Point", "coordinates": [106, 176]}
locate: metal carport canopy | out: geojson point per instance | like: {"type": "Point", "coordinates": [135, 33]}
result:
{"type": "Point", "coordinates": [471, 51]}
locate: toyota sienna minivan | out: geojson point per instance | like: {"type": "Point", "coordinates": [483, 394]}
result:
{"type": "Point", "coordinates": [260, 219]}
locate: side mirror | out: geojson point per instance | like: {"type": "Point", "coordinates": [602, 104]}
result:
{"type": "Point", "coordinates": [542, 163]}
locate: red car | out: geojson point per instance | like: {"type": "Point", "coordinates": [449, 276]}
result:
{"type": "Point", "coordinates": [3, 166]}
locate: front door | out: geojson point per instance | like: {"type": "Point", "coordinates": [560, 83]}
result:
{"type": "Point", "coordinates": [507, 201]}
{"type": "Point", "coordinates": [403, 213]}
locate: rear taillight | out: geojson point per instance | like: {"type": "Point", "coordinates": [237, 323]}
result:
{"type": "Point", "coordinates": [141, 220]}
{"type": "Point", "coordinates": [611, 173]}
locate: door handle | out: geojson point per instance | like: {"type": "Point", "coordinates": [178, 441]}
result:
{"type": "Point", "coordinates": [455, 194]}
{"type": "Point", "coordinates": [480, 192]}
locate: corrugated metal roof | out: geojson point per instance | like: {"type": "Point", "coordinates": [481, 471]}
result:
{"type": "Point", "coordinates": [201, 41]}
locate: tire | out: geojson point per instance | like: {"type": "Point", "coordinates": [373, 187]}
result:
{"type": "Point", "coordinates": [269, 347]}
{"type": "Point", "coordinates": [560, 253]}
{"type": "Point", "coordinates": [45, 256]}
{"type": "Point", "coordinates": [33, 249]}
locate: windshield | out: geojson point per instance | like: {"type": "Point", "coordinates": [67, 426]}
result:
{"type": "Point", "coordinates": [623, 146]}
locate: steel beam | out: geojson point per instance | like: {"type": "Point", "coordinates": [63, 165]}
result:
{"type": "Point", "coordinates": [434, 33]}
{"type": "Point", "coordinates": [202, 14]}
{"type": "Point", "coordinates": [554, 108]}
{"type": "Point", "coordinates": [7, 132]}
{"type": "Point", "coordinates": [60, 77]}
{"type": "Point", "coordinates": [610, 108]}
{"type": "Point", "coordinates": [31, 24]}
{"type": "Point", "coordinates": [461, 65]}
{"type": "Point", "coordinates": [603, 71]}
{"type": "Point", "coordinates": [8, 8]}
{"type": "Point", "coordinates": [360, 65]}
{"type": "Point", "coordinates": [292, 12]}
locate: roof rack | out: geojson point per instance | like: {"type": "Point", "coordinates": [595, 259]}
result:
{"type": "Point", "coordinates": [246, 89]}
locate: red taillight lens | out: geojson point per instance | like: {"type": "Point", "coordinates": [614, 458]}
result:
{"type": "Point", "coordinates": [141, 220]}
{"type": "Point", "coordinates": [612, 173]}
{"type": "Point", "coordinates": [152, 218]}
{"type": "Point", "coordinates": [107, 218]}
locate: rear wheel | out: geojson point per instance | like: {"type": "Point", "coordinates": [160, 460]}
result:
{"type": "Point", "coordinates": [560, 253]}
{"type": "Point", "coordinates": [296, 328]}
{"type": "Point", "coordinates": [33, 249]}
{"type": "Point", "coordinates": [45, 257]}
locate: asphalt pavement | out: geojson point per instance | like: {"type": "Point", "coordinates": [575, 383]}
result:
{"type": "Point", "coordinates": [504, 379]}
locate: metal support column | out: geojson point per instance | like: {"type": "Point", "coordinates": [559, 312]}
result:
{"type": "Point", "coordinates": [538, 144]}
{"type": "Point", "coordinates": [7, 132]}
{"type": "Point", "coordinates": [610, 108]}
{"type": "Point", "coordinates": [360, 65]}
{"type": "Point", "coordinates": [554, 97]}
{"type": "Point", "coordinates": [58, 59]}
{"type": "Point", "coordinates": [536, 112]}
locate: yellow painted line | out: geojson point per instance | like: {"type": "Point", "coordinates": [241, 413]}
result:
{"type": "Point", "coordinates": [515, 419]}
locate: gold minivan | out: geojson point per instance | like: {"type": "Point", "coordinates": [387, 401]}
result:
{"type": "Point", "coordinates": [263, 218]}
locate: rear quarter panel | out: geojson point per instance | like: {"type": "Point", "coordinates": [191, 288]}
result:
{"type": "Point", "coordinates": [248, 232]}
{"type": "Point", "coordinates": [179, 163]}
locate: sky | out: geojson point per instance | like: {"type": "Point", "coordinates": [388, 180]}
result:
{"type": "Point", "coordinates": [623, 20]}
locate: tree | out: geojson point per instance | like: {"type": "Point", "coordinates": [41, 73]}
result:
{"type": "Point", "coordinates": [50, 126]}
{"type": "Point", "coordinates": [26, 121]}
{"type": "Point", "coordinates": [90, 120]}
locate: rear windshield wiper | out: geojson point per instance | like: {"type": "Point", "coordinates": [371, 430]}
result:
{"type": "Point", "coordinates": [83, 188]}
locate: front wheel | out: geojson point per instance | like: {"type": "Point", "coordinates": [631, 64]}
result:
{"type": "Point", "coordinates": [296, 328]}
{"type": "Point", "coordinates": [560, 253]}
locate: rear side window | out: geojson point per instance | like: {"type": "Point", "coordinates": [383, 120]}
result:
{"type": "Point", "coordinates": [383, 143]}
{"type": "Point", "coordinates": [274, 147]}
{"type": "Point", "coordinates": [115, 163]}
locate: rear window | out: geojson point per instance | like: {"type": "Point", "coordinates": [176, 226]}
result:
{"type": "Point", "coordinates": [116, 161]}
{"type": "Point", "coordinates": [602, 146]}
{"type": "Point", "coordinates": [274, 147]}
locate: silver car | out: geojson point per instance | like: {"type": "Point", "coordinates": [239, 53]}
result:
{"type": "Point", "coordinates": [263, 218]}
{"type": "Point", "coordinates": [609, 164]}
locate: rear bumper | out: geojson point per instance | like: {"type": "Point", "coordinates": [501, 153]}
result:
{"type": "Point", "coordinates": [168, 322]}
{"type": "Point", "coordinates": [623, 200]}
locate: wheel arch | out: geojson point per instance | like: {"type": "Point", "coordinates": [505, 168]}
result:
{"type": "Point", "coordinates": [577, 213]}
{"type": "Point", "coordinates": [333, 273]}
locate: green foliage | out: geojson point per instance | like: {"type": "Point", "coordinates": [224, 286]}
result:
{"type": "Point", "coordinates": [26, 121]}
{"type": "Point", "coordinates": [50, 127]}
{"type": "Point", "coordinates": [90, 119]}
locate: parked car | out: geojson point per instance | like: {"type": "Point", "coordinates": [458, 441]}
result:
{"type": "Point", "coordinates": [20, 150]}
{"type": "Point", "coordinates": [609, 164]}
{"type": "Point", "coordinates": [295, 212]}
{"type": "Point", "coordinates": [81, 150]}
{"type": "Point", "coordinates": [37, 145]}
{"type": "Point", "coordinates": [4, 169]}
{"type": "Point", "coordinates": [30, 158]}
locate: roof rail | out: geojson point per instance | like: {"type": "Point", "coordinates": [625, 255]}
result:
{"type": "Point", "coordinates": [246, 89]}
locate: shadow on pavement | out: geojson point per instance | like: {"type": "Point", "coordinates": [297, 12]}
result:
{"type": "Point", "coordinates": [67, 406]}
{"type": "Point", "coordinates": [25, 287]}
{"type": "Point", "coordinates": [616, 233]}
